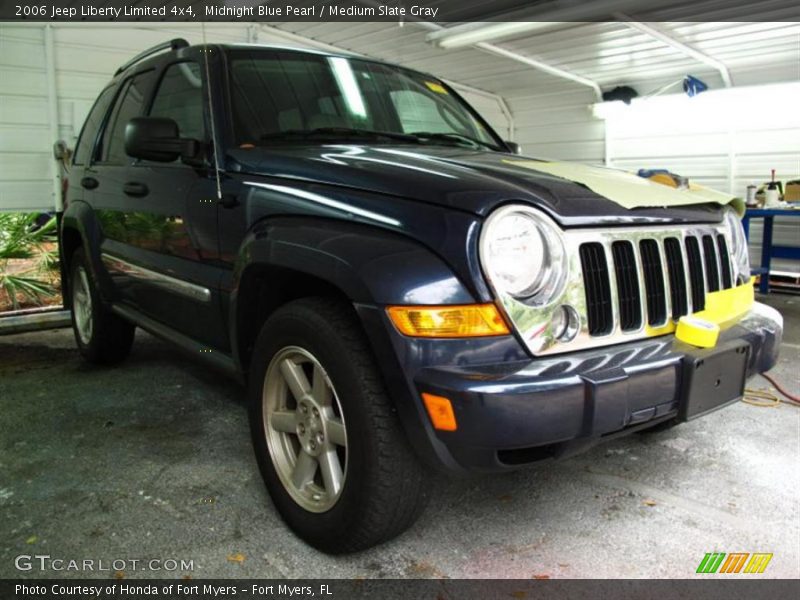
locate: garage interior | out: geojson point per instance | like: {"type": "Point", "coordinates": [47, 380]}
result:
{"type": "Point", "coordinates": [154, 454]}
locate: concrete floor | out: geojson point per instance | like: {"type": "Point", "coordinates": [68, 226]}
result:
{"type": "Point", "coordinates": [152, 460]}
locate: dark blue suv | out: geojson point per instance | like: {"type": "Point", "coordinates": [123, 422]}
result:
{"type": "Point", "coordinates": [399, 290]}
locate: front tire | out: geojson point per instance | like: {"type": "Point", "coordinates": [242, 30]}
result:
{"type": "Point", "coordinates": [103, 338]}
{"type": "Point", "coordinates": [328, 442]}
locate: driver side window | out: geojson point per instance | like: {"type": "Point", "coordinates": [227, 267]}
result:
{"type": "Point", "coordinates": [180, 97]}
{"type": "Point", "coordinates": [128, 105]}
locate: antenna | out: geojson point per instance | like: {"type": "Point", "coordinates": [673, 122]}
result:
{"type": "Point", "coordinates": [211, 113]}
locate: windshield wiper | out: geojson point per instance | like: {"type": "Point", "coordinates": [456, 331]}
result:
{"type": "Point", "coordinates": [453, 139]}
{"type": "Point", "coordinates": [339, 133]}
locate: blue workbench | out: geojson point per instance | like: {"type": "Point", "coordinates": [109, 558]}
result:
{"type": "Point", "coordinates": [768, 249]}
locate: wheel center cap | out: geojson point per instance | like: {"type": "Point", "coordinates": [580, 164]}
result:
{"type": "Point", "coordinates": [310, 427]}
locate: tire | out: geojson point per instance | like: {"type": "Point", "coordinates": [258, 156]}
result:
{"type": "Point", "coordinates": [383, 488]}
{"type": "Point", "coordinates": [103, 338]}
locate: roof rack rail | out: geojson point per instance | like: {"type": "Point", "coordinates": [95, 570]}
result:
{"type": "Point", "coordinates": [170, 45]}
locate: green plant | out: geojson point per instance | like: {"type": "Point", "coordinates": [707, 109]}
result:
{"type": "Point", "coordinates": [23, 240]}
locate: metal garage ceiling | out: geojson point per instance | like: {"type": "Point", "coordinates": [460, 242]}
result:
{"type": "Point", "coordinates": [757, 42]}
{"type": "Point", "coordinates": [608, 53]}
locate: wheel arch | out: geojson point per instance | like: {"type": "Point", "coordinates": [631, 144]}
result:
{"type": "Point", "coordinates": [79, 229]}
{"type": "Point", "coordinates": [284, 259]}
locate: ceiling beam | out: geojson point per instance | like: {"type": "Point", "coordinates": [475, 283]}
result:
{"type": "Point", "coordinates": [531, 62]}
{"type": "Point", "coordinates": [509, 54]}
{"type": "Point", "coordinates": [680, 46]}
{"type": "Point", "coordinates": [469, 34]}
{"type": "Point", "coordinates": [528, 20]}
{"type": "Point", "coordinates": [541, 66]}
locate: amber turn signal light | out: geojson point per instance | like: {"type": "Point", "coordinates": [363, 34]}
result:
{"type": "Point", "coordinates": [440, 410]}
{"type": "Point", "coordinates": [448, 321]}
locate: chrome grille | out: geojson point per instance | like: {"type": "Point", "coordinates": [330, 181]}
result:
{"type": "Point", "coordinates": [696, 276]}
{"type": "Point", "coordinates": [712, 265]}
{"type": "Point", "coordinates": [598, 290]}
{"type": "Point", "coordinates": [664, 264]}
{"type": "Point", "coordinates": [625, 283]}
{"type": "Point", "coordinates": [677, 278]}
{"type": "Point", "coordinates": [653, 283]}
{"type": "Point", "coordinates": [724, 261]}
{"type": "Point", "coordinates": [630, 311]}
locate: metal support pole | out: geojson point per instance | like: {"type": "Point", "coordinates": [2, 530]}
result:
{"type": "Point", "coordinates": [52, 113]}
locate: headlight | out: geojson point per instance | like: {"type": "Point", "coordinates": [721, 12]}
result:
{"type": "Point", "coordinates": [739, 251]}
{"type": "Point", "coordinates": [522, 254]}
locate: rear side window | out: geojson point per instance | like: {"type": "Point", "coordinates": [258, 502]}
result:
{"type": "Point", "coordinates": [180, 97]}
{"type": "Point", "coordinates": [129, 105]}
{"type": "Point", "coordinates": [93, 122]}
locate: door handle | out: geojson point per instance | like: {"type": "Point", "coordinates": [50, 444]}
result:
{"type": "Point", "coordinates": [134, 188]}
{"type": "Point", "coordinates": [89, 183]}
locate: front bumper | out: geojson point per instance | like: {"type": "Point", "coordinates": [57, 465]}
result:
{"type": "Point", "coordinates": [518, 411]}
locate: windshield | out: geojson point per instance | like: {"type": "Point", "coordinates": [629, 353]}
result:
{"type": "Point", "coordinates": [281, 97]}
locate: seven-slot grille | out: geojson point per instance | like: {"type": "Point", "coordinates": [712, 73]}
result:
{"type": "Point", "coordinates": [654, 279]}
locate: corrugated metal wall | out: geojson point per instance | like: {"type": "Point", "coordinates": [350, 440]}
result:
{"type": "Point", "coordinates": [25, 170]}
{"type": "Point", "coordinates": [559, 125]}
{"type": "Point", "coordinates": [85, 60]}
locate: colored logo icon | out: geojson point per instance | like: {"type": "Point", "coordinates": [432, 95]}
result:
{"type": "Point", "coordinates": [735, 562]}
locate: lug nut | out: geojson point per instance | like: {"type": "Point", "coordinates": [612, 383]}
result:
{"type": "Point", "coordinates": [313, 445]}
{"type": "Point", "coordinates": [302, 429]}
{"type": "Point", "coordinates": [320, 438]}
{"type": "Point", "coordinates": [303, 408]}
{"type": "Point", "coordinates": [316, 412]}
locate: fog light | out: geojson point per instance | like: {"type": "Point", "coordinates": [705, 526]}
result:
{"type": "Point", "coordinates": [565, 323]}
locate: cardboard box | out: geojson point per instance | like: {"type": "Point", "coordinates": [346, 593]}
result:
{"type": "Point", "coordinates": [791, 192]}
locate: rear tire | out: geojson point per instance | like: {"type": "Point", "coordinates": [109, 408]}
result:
{"type": "Point", "coordinates": [103, 338]}
{"type": "Point", "coordinates": [318, 401]}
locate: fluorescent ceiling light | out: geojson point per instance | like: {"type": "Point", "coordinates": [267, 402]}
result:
{"type": "Point", "coordinates": [484, 32]}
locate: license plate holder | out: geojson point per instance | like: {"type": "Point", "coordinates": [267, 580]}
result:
{"type": "Point", "coordinates": [713, 378]}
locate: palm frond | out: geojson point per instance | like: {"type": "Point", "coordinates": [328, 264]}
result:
{"type": "Point", "coordinates": [23, 237]}
{"type": "Point", "coordinates": [30, 288]}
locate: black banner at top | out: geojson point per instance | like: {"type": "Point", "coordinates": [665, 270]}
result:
{"type": "Point", "coordinates": [441, 11]}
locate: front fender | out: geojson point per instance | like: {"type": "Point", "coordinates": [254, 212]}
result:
{"type": "Point", "coordinates": [372, 267]}
{"type": "Point", "coordinates": [369, 265]}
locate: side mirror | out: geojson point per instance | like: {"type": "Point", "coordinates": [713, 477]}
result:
{"type": "Point", "coordinates": [158, 139]}
{"type": "Point", "coordinates": [513, 147]}
{"type": "Point", "coordinates": [61, 150]}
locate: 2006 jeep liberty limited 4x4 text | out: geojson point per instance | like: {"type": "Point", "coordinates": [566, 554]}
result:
{"type": "Point", "coordinates": [398, 289]}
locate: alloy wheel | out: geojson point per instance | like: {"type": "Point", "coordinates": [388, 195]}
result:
{"type": "Point", "coordinates": [305, 429]}
{"type": "Point", "coordinates": [82, 305]}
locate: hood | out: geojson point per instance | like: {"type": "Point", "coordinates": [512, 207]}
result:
{"type": "Point", "coordinates": [478, 181]}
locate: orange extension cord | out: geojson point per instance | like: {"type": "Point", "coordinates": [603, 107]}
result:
{"type": "Point", "coordinates": [778, 387]}
{"type": "Point", "coordinates": [766, 399]}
